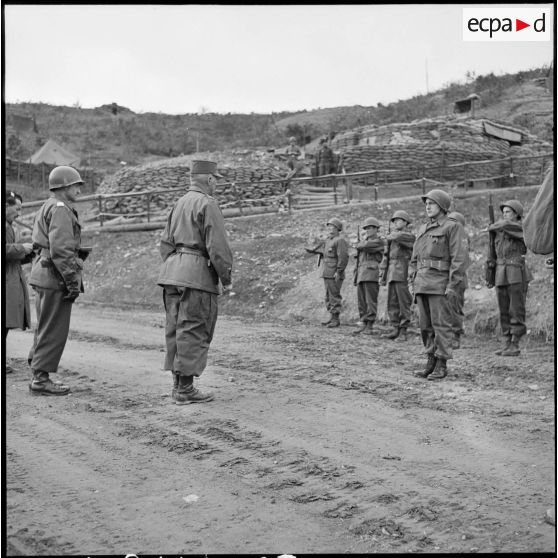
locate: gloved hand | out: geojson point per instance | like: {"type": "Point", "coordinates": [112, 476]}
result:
{"type": "Point", "coordinates": [71, 295]}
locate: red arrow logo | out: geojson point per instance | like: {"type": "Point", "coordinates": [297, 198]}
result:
{"type": "Point", "coordinates": [519, 25]}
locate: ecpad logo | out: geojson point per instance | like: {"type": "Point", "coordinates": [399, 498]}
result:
{"type": "Point", "coordinates": [507, 24]}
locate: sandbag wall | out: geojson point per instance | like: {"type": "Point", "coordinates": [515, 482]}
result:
{"type": "Point", "coordinates": [167, 175]}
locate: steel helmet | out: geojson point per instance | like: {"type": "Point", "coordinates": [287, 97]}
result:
{"type": "Point", "coordinates": [63, 176]}
{"type": "Point", "coordinates": [336, 223]}
{"type": "Point", "coordinates": [292, 138]}
{"type": "Point", "coordinates": [401, 214]}
{"type": "Point", "coordinates": [371, 222]}
{"type": "Point", "coordinates": [515, 205]}
{"type": "Point", "coordinates": [456, 216]}
{"type": "Point", "coordinates": [440, 197]}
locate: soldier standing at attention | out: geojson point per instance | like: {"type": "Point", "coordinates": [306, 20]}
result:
{"type": "Point", "coordinates": [436, 268]}
{"type": "Point", "coordinates": [335, 259]}
{"type": "Point", "coordinates": [512, 275]}
{"type": "Point", "coordinates": [17, 310]}
{"type": "Point", "coordinates": [458, 302]}
{"type": "Point", "coordinates": [366, 275]}
{"type": "Point", "coordinates": [395, 268]}
{"type": "Point", "coordinates": [196, 257]}
{"type": "Point", "coordinates": [56, 277]}
{"type": "Point", "coordinates": [324, 158]}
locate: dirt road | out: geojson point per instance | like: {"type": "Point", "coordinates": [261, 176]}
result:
{"type": "Point", "coordinates": [316, 442]}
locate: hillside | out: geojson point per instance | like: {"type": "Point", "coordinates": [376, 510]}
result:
{"type": "Point", "coordinates": [106, 135]}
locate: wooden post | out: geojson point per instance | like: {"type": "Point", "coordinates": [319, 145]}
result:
{"type": "Point", "coordinates": [289, 199]}
{"type": "Point", "coordinates": [28, 174]}
{"type": "Point", "coordinates": [423, 185]}
{"type": "Point", "coordinates": [334, 181]}
{"type": "Point", "coordinates": [148, 206]}
{"type": "Point", "coordinates": [100, 201]}
{"type": "Point", "coordinates": [375, 193]}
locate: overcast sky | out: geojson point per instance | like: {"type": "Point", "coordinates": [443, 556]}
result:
{"type": "Point", "coordinates": [192, 58]}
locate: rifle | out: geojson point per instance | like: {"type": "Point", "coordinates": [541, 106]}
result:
{"type": "Point", "coordinates": [355, 272]}
{"type": "Point", "coordinates": [490, 269]}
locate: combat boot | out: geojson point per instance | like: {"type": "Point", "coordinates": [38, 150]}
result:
{"type": "Point", "coordinates": [369, 328]}
{"type": "Point", "coordinates": [506, 346]}
{"type": "Point", "coordinates": [513, 348]}
{"type": "Point", "coordinates": [328, 321]}
{"type": "Point", "coordinates": [393, 334]}
{"type": "Point", "coordinates": [429, 368]}
{"type": "Point", "coordinates": [456, 341]}
{"type": "Point", "coordinates": [41, 384]}
{"type": "Point", "coordinates": [440, 371]}
{"type": "Point", "coordinates": [186, 393]}
{"type": "Point", "coordinates": [360, 329]}
{"type": "Point", "coordinates": [402, 334]}
{"type": "Point", "coordinates": [334, 321]}
{"type": "Point", "coordinates": [175, 381]}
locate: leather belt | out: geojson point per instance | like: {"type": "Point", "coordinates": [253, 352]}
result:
{"type": "Point", "coordinates": [440, 265]}
{"type": "Point", "coordinates": [186, 250]}
{"type": "Point", "coordinates": [511, 261]}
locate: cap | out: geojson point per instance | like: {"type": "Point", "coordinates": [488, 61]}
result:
{"type": "Point", "coordinates": [205, 167]}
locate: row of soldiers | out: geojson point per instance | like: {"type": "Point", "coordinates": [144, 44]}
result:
{"type": "Point", "coordinates": [430, 269]}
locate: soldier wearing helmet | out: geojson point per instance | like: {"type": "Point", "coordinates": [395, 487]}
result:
{"type": "Point", "coordinates": [366, 276]}
{"type": "Point", "coordinates": [512, 275]}
{"type": "Point", "coordinates": [395, 269]}
{"type": "Point", "coordinates": [457, 302]}
{"type": "Point", "coordinates": [293, 153]}
{"type": "Point", "coordinates": [196, 268]}
{"type": "Point", "coordinates": [437, 267]}
{"type": "Point", "coordinates": [335, 258]}
{"type": "Point", "coordinates": [56, 277]}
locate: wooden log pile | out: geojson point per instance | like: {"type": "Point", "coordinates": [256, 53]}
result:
{"type": "Point", "coordinates": [165, 175]}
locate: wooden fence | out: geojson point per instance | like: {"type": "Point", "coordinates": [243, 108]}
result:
{"type": "Point", "coordinates": [342, 186]}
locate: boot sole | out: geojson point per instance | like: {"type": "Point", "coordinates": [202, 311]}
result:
{"type": "Point", "coordinates": [38, 392]}
{"type": "Point", "coordinates": [207, 400]}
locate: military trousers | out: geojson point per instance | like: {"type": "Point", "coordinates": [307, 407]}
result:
{"type": "Point", "coordinates": [191, 316]}
{"type": "Point", "coordinates": [51, 331]}
{"type": "Point", "coordinates": [435, 324]}
{"type": "Point", "coordinates": [367, 300]}
{"type": "Point", "coordinates": [333, 298]}
{"type": "Point", "coordinates": [456, 306]}
{"type": "Point", "coordinates": [511, 303]}
{"type": "Point", "coordinates": [399, 304]}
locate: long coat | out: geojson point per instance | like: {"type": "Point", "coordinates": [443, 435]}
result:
{"type": "Point", "coordinates": [336, 257]}
{"type": "Point", "coordinates": [194, 247]}
{"type": "Point", "coordinates": [18, 312]}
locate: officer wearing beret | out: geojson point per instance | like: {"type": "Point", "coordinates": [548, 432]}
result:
{"type": "Point", "coordinates": [367, 274]}
{"type": "Point", "coordinates": [56, 277]}
{"type": "Point", "coordinates": [436, 268]}
{"type": "Point", "coordinates": [395, 269]}
{"type": "Point", "coordinates": [335, 256]}
{"type": "Point", "coordinates": [512, 275]}
{"type": "Point", "coordinates": [196, 259]}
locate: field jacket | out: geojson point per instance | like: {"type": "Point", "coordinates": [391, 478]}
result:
{"type": "Point", "coordinates": [510, 253]}
{"type": "Point", "coordinates": [336, 257]}
{"type": "Point", "coordinates": [57, 236]}
{"type": "Point", "coordinates": [439, 257]}
{"type": "Point", "coordinates": [17, 310]}
{"type": "Point", "coordinates": [194, 246]}
{"type": "Point", "coordinates": [395, 264]}
{"type": "Point", "coordinates": [368, 257]}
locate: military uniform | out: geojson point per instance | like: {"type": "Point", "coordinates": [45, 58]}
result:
{"type": "Point", "coordinates": [437, 267]}
{"type": "Point", "coordinates": [17, 310]}
{"type": "Point", "coordinates": [395, 269]}
{"type": "Point", "coordinates": [196, 256]}
{"type": "Point", "coordinates": [512, 276]}
{"type": "Point", "coordinates": [324, 160]}
{"type": "Point", "coordinates": [366, 278]}
{"type": "Point", "coordinates": [293, 152]}
{"type": "Point", "coordinates": [334, 262]}
{"type": "Point", "coordinates": [56, 273]}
